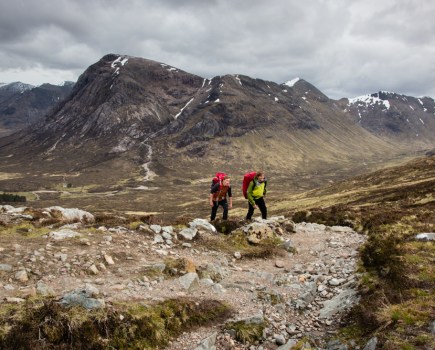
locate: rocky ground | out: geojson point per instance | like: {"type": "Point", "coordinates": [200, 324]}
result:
{"type": "Point", "coordinates": [301, 294]}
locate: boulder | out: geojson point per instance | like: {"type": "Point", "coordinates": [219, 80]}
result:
{"type": "Point", "coordinates": [208, 343]}
{"type": "Point", "coordinates": [63, 234]}
{"type": "Point", "coordinates": [187, 234]}
{"type": "Point", "coordinates": [71, 214]}
{"type": "Point", "coordinates": [82, 298]}
{"type": "Point", "coordinates": [257, 232]}
{"type": "Point", "coordinates": [202, 224]}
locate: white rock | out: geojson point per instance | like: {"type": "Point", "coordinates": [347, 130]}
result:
{"type": "Point", "coordinates": [63, 234]}
{"type": "Point", "coordinates": [156, 228]}
{"type": "Point", "coordinates": [22, 276]}
{"type": "Point", "coordinates": [108, 259]}
{"type": "Point", "coordinates": [72, 214]}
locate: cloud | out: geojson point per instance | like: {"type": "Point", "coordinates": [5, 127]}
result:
{"type": "Point", "coordinates": [345, 48]}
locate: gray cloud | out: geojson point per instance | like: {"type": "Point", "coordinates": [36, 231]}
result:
{"type": "Point", "coordinates": [345, 48]}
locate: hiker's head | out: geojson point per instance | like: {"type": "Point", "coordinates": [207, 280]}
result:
{"type": "Point", "coordinates": [226, 181]}
{"type": "Point", "coordinates": [260, 176]}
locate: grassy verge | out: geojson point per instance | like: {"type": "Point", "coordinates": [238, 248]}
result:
{"type": "Point", "coordinates": [45, 324]}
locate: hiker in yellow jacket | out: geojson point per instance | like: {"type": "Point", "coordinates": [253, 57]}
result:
{"type": "Point", "coordinates": [256, 193]}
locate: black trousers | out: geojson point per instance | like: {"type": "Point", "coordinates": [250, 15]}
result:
{"type": "Point", "coordinates": [215, 207]}
{"type": "Point", "coordinates": [261, 204]}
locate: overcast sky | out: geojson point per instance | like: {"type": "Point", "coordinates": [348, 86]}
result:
{"type": "Point", "coordinates": [345, 48]}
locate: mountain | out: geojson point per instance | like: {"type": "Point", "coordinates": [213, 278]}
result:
{"type": "Point", "coordinates": [132, 126]}
{"type": "Point", "coordinates": [390, 115]}
{"type": "Point", "coordinates": [23, 104]}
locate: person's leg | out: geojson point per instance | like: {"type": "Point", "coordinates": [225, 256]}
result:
{"type": "Point", "coordinates": [214, 211]}
{"type": "Point", "coordinates": [262, 205]}
{"type": "Point", "coordinates": [224, 204]}
{"type": "Point", "coordinates": [250, 211]}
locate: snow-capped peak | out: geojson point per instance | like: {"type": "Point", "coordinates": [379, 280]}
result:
{"type": "Point", "coordinates": [292, 82]}
{"type": "Point", "coordinates": [17, 86]}
{"type": "Point", "coordinates": [370, 100]}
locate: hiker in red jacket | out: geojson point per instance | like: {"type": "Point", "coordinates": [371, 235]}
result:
{"type": "Point", "coordinates": [218, 196]}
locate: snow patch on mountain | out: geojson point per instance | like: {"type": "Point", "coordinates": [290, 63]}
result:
{"type": "Point", "coordinates": [369, 100]}
{"type": "Point", "coordinates": [292, 82]}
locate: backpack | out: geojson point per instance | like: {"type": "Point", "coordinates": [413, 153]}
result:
{"type": "Point", "coordinates": [247, 178]}
{"type": "Point", "coordinates": [218, 178]}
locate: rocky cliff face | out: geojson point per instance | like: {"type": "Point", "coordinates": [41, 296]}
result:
{"type": "Point", "coordinates": [23, 104]}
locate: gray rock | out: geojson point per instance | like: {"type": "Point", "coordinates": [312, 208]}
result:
{"type": "Point", "coordinates": [5, 267]}
{"type": "Point", "coordinates": [156, 228]}
{"type": "Point", "coordinates": [432, 327]}
{"type": "Point", "coordinates": [63, 234]}
{"type": "Point", "coordinates": [202, 224]}
{"type": "Point", "coordinates": [189, 281]}
{"type": "Point", "coordinates": [425, 236]}
{"type": "Point", "coordinates": [371, 344]}
{"type": "Point", "coordinates": [289, 345]}
{"type": "Point", "coordinates": [82, 298]}
{"type": "Point", "coordinates": [166, 235]}
{"type": "Point", "coordinates": [339, 303]}
{"type": "Point", "coordinates": [334, 282]}
{"type": "Point", "coordinates": [91, 290]}
{"type": "Point", "coordinates": [158, 239]}
{"type": "Point", "coordinates": [208, 343]}
{"type": "Point", "coordinates": [218, 289]}
{"type": "Point", "coordinates": [43, 289]}
{"type": "Point", "coordinates": [22, 276]}
{"type": "Point", "coordinates": [168, 229]}
{"type": "Point", "coordinates": [187, 234]}
{"type": "Point", "coordinates": [279, 339]}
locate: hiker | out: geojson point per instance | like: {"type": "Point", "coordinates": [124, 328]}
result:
{"type": "Point", "coordinates": [218, 196]}
{"type": "Point", "coordinates": [255, 193]}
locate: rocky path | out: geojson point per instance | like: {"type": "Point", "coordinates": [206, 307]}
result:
{"type": "Point", "coordinates": [302, 293]}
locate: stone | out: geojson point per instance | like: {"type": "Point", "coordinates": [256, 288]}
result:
{"type": "Point", "coordinates": [187, 234]}
{"type": "Point", "coordinates": [5, 267]}
{"type": "Point", "coordinates": [189, 281]}
{"type": "Point", "coordinates": [371, 344]}
{"type": "Point", "coordinates": [279, 264]}
{"type": "Point", "coordinates": [91, 290]}
{"type": "Point", "coordinates": [334, 282]}
{"type": "Point", "coordinates": [82, 298]}
{"type": "Point", "coordinates": [168, 229]}
{"type": "Point", "coordinates": [202, 224]}
{"type": "Point", "coordinates": [218, 289]}
{"type": "Point", "coordinates": [63, 234]}
{"type": "Point", "coordinates": [257, 232]}
{"type": "Point", "coordinates": [279, 339]}
{"type": "Point", "coordinates": [237, 255]}
{"type": "Point", "coordinates": [93, 269]}
{"type": "Point", "coordinates": [28, 292]}
{"type": "Point", "coordinates": [289, 345]}
{"type": "Point", "coordinates": [338, 303]}
{"type": "Point", "coordinates": [156, 228]}
{"type": "Point", "coordinates": [158, 239]}
{"type": "Point", "coordinates": [425, 236]}
{"type": "Point", "coordinates": [108, 259]}
{"type": "Point", "coordinates": [208, 343]}
{"type": "Point", "coordinates": [432, 327]}
{"type": "Point", "coordinates": [14, 300]}
{"type": "Point", "coordinates": [43, 289]}
{"type": "Point", "coordinates": [72, 214]}
{"type": "Point", "coordinates": [22, 276]}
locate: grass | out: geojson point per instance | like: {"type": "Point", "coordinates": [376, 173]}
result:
{"type": "Point", "coordinates": [236, 242]}
{"type": "Point", "coordinates": [246, 332]}
{"type": "Point", "coordinates": [397, 283]}
{"type": "Point", "coordinates": [42, 323]}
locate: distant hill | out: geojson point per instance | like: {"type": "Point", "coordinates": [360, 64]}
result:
{"type": "Point", "coordinates": [23, 104]}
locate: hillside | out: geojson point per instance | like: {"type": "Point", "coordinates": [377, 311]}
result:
{"type": "Point", "coordinates": [23, 104]}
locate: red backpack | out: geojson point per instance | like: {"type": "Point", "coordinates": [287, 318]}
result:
{"type": "Point", "coordinates": [247, 178]}
{"type": "Point", "coordinates": [218, 178]}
